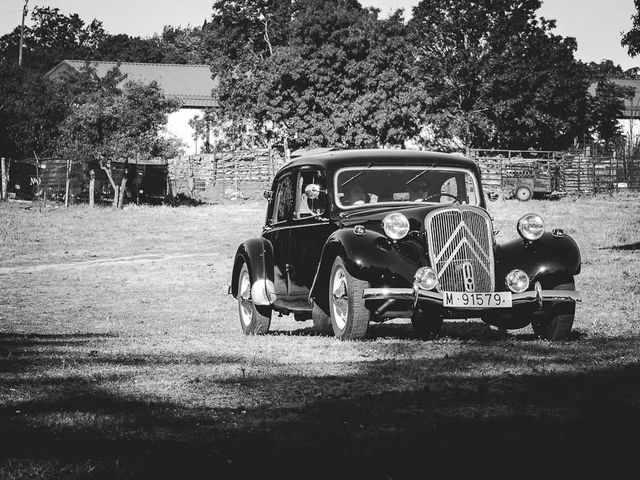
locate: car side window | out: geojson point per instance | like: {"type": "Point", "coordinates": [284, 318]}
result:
{"type": "Point", "coordinates": [283, 204]}
{"type": "Point", "coordinates": [305, 206]}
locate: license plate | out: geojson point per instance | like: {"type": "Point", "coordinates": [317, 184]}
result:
{"type": "Point", "coordinates": [477, 300]}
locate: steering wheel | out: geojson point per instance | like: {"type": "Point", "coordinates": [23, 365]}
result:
{"type": "Point", "coordinates": [426, 199]}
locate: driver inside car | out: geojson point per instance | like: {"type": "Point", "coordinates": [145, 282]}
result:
{"type": "Point", "coordinates": [421, 189]}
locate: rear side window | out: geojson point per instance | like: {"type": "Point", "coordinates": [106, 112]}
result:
{"type": "Point", "coordinates": [283, 204]}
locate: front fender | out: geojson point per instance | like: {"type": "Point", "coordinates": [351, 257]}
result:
{"type": "Point", "coordinates": [371, 257]}
{"type": "Point", "coordinates": [551, 260]}
{"type": "Point", "coordinates": [257, 253]}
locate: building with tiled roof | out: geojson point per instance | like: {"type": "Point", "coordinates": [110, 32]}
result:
{"type": "Point", "coordinates": [191, 85]}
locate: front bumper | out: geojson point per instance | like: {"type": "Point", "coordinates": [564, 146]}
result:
{"type": "Point", "coordinates": [416, 295]}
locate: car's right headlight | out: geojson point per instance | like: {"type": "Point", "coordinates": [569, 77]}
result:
{"type": "Point", "coordinates": [531, 227]}
{"type": "Point", "coordinates": [396, 225]}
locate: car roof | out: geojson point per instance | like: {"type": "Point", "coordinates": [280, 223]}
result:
{"type": "Point", "coordinates": [341, 158]}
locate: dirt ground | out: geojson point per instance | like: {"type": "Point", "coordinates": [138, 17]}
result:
{"type": "Point", "coordinates": [121, 357]}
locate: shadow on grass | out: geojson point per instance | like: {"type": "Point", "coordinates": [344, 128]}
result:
{"type": "Point", "coordinates": [444, 419]}
{"type": "Point", "coordinates": [452, 329]}
{"type": "Point", "coordinates": [626, 247]}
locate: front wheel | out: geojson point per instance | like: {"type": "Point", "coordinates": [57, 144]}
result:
{"type": "Point", "coordinates": [426, 327]}
{"type": "Point", "coordinates": [254, 319]}
{"type": "Point", "coordinates": [349, 317]}
{"type": "Point", "coordinates": [557, 328]}
{"type": "Point", "coordinates": [557, 324]}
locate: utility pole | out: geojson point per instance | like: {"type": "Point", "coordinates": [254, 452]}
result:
{"type": "Point", "coordinates": [24, 14]}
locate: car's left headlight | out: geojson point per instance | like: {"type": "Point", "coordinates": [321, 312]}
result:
{"type": "Point", "coordinates": [396, 225]}
{"type": "Point", "coordinates": [531, 227]}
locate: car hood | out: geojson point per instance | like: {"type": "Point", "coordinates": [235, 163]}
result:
{"type": "Point", "coordinates": [372, 216]}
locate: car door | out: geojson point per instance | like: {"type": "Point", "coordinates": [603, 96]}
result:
{"type": "Point", "coordinates": [309, 231]}
{"type": "Point", "coordinates": [277, 229]}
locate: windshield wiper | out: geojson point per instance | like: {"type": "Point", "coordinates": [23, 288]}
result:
{"type": "Point", "coordinates": [357, 174]}
{"type": "Point", "coordinates": [420, 174]}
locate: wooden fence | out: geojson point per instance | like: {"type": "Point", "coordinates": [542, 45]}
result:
{"type": "Point", "coordinates": [216, 177]}
{"type": "Point", "coordinates": [557, 172]}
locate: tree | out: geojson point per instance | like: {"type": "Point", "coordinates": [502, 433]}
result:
{"type": "Point", "coordinates": [52, 38]}
{"type": "Point", "coordinates": [496, 76]}
{"type": "Point", "coordinates": [631, 39]}
{"type": "Point", "coordinates": [246, 27]}
{"type": "Point", "coordinates": [334, 74]}
{"type": "Point", "coordinates": [606, 103]}
{"type": "Point", "coordinates": [123, 48]}
{"type": "Point", "coordinates": [31, 111]}
{"type": "Point", "coordinates": [114, 120]}
{"type": "Point", "coordinates": [605, 108]}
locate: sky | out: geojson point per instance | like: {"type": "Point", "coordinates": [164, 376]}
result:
{"type": "Point", "coordinates": [596, 25]}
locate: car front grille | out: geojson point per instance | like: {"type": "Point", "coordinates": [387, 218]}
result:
{"type": "Point", "coordinates": [461, 248]}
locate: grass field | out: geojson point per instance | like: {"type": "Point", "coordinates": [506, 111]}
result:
{"type": "Point", "coordinates": [121, 357]}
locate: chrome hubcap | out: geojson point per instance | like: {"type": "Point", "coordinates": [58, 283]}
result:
{"type": "Point", "coordinates": [340, 298]}
{"type": "Point", "coordinates": [244, 298]}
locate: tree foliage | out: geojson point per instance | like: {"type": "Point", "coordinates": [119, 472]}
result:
{"type": "Point", "coordinates": [496, 75]}
{"type": "Point", "coordinates": [52, 38]}
{"type": "Point", "coordinates": [114, 118]}
{"type": "Point", "coordinates": [334, 74]}
{"type": "Point", "coordinates": [631, 38]}
{"type": "Point", "coordinates": [606, 102]}
{"type": "Point", "coordinates": [31, 111]}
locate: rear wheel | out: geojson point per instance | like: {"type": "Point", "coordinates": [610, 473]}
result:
{"type": "Point", "coordinates": [254, 319]}
{"type": "Point", "coordinates": [349, 317]}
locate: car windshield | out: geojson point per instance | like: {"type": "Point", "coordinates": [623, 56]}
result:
{"type": "Point", "coordinates": [366, 185]}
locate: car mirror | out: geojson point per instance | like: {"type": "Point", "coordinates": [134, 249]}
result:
{"type": "Point", "coordinates": [492, 196]}
{"type": "Point", "coordinates": [313, 191]}
{"type": "Point", "coordinates": [268, 194]}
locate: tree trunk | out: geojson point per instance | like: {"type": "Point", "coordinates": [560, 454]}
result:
{"type": "Point", "coordinates": [4, 178]}
{"type": "Point", "coordinates": [123, 189]}
{"type": "Point", "coordinates": [67, 181]}
{"type": "Point", "coordinates": [107, 170]}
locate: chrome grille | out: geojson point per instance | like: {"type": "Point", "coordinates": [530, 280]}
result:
{"type": "Point", "coordinates": [461, 248]}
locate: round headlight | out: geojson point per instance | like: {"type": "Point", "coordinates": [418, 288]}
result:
{"type": "Point", "coordinates": [531, 226]}
{"type": "Point", "coordinates": [396, 225]}
{"type": "Point", "coordinates": [517, 281]}
{"type": "Point", "coordinates": [426, 278]}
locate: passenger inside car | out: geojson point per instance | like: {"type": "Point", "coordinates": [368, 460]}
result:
{"type": "Point", "coordinates": [355, 194]}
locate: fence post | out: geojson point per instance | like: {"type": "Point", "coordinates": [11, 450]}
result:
{"type": "Point", "coordinates": [92, 187]}
{"type": "Point", "coordinates": [66, 186]}
{"type": "Point", "coordinates": [579, 173]}
{"type": "Point", "coordinates": [4, 178]}
{"type": "Point", "coordinates": [223, 167]}
{"type": "Point", "coordinates": [235, 174]}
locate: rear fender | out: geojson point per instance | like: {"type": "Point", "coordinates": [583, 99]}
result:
{"type": "Point", "coordinates": [257, 253]}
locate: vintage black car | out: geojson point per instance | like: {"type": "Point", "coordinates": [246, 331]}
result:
{"type": "Point", "coordinates": [359, 236]}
